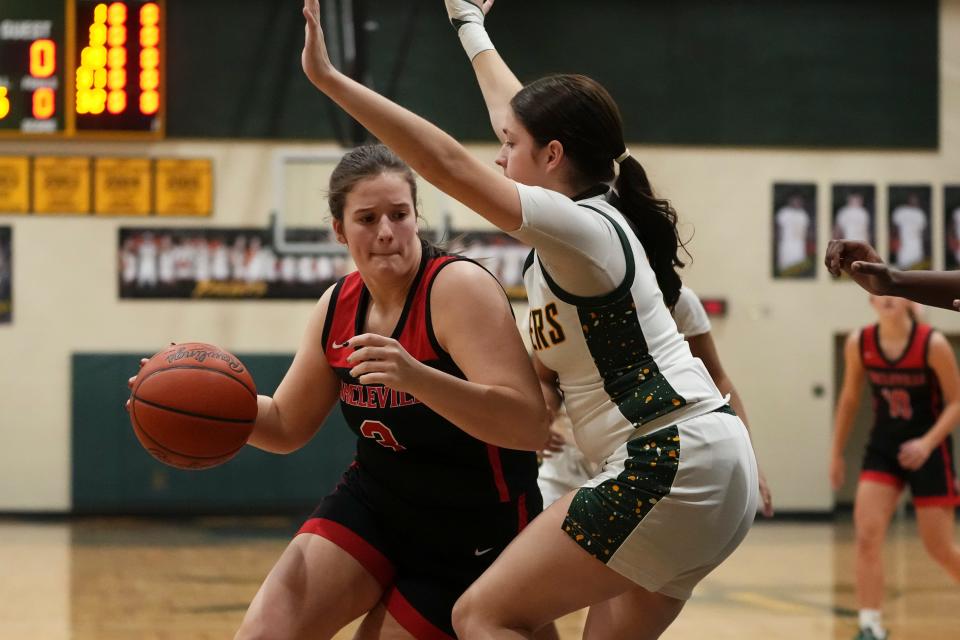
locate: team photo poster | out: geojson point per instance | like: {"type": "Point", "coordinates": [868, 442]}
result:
{"type": "Point", "coordinates": [794, 230]}
{"type": "Point", "coordinates": [909, 226]}
{"type": "Point", "coordinates": [197, 263]}
{"type": "Point", "coordinates": [951, 231]}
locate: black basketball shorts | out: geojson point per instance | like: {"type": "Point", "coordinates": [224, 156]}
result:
{"type": "Point", "coordinates": [425, 558]}
{"type": "Point", "coordinates": [933, 484]}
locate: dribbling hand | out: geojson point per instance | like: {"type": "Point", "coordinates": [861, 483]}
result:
{"type": "Point", "coordinates": [132, 380]}
{"type": "Point", "coordinates": [316, 63]}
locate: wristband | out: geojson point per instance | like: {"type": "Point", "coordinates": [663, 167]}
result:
{"type": "Point", "coordinates": [474, 39]}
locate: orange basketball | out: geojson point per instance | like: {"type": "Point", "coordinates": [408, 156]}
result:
{"type": "Point", "coordinates": [193, 406]}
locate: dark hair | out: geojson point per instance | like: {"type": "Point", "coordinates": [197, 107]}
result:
{"type": "Point", "coordinates": [361, 163]}
{"type": "Point", "coordinates": [579, 113]}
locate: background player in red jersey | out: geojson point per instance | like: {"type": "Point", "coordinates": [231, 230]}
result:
{"type": "Point", "coordinates": [411, 344]}
{"type": "Point", "coordinates": [916, 397]}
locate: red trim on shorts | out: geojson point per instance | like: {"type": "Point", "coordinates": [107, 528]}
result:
{"type": "Point", "coordinates": [363, 552]}
{"type": "Point", "coordinates": [411, 619]}
{"type": "Point", "coordinates": [493, 453]}
{"type": "Point", "coordinates": [936, 501]}
{"type": "Point", "coordinates": [951, 487]}
{"type": "Point", "coordinates": [881, 477]}
{"type": "Point", "coordinates": [522, 516]}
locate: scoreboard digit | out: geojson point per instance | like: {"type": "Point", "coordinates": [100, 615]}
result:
{"type": "Point", "coordinates": [31, 66]}
{"type": "Point", "coordinates": [118, 71]}
{"type": "Point", "coordinates": [82, 67]}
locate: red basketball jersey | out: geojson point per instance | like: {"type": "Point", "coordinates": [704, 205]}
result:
{"type": "Point", "coordinates": [906, 393]}
{"type": "Point", "coordinates": [404, 448]}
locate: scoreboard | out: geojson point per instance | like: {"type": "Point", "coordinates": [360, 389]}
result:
{"type": "Point", "coordinates": [82, 68]}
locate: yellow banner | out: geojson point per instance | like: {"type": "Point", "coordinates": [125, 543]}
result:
{"type": "Point", "coordinates": [61, 184]}
{"type": "Point", "coordinates": [121, 186]}
{"type": "Point", "coordinates": [14, 184]}
{"type": "Point", "coordinates": [184, 187]}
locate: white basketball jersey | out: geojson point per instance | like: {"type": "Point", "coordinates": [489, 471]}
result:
{"type": "Point", "coordinates": [622, 366]}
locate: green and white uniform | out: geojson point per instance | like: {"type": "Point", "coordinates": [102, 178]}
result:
{"type": "Point", "coordinates": [677, 487]}
{"type": "Point", "coordinates": [565, 470]}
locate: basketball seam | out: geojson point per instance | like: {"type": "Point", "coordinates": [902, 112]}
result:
{"type": "Point", "coordinates": [179, 453]}
{"type": "Point", "coordinates": [193, 366]}
{"type": "Point", "coordinates": [191, 414]}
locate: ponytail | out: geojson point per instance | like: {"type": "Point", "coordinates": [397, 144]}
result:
{"type": "Point", "coordinates": [582, 116]}
{"type": "Point", "coordinates": [654, 222]}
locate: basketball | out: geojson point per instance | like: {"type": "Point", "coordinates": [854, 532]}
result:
{"type": "Point", "coordinates": [193, 406]}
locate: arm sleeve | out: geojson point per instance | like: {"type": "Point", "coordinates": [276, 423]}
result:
{"type": "Point", "coordinates": [689, 314]}
{"type": "Point", "coordinates": [579, 248]}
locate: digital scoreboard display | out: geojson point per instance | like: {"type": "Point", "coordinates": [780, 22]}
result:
{"type": "Point", "coordinates": [82, 67]}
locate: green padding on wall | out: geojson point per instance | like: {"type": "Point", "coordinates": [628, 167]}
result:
{"type": "Point", "coordinates": [113, 474]}
{"type": "Point", "coordinates": [737, 72]}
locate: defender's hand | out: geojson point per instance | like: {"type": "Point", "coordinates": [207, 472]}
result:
{"type": "Point", "coordinates": [316, 63]}
{"type": "Point", "coordinates": [462, 11]}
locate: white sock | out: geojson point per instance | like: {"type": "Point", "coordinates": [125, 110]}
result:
{"type": "Point", "coordinates": [873, 620]}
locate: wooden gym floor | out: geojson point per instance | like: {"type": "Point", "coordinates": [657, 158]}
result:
{"type": "Point", "coordinates": [126, 579]}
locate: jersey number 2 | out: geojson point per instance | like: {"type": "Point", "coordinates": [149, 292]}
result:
{"type": "Point", "coordinates": [898, 400]}
{"type": "Point", "coordinates": [381, 433]}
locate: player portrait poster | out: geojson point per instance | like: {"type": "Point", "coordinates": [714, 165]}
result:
{"type": "Point", "coordinates": [500, 254]}
{"type": "Point", "coordinates": [854, 212]}
{"type": "Point", "coordinates": [909, 224]}
{"type": "Point", "coordinates": [853, 208]}
{"type": "Point", "coordinates": [6, 275]}
{"type": "Point", "coordinates": [951, 221]}
{"type": "Point", "coordinates": [223, 263]}
{"type": "Point", "coordinates": [794, 230]}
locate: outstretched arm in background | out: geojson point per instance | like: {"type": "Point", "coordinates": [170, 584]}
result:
{"type": "Point", "coordinates": [862, 263]}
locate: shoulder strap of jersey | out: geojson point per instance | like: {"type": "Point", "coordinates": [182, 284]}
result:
{"type": "Point", "coordinates": [916, 356]}
{"type": "Point", "coordinates": [417, 336]}
{"type": "Point", "coordinates": [338, 327]}
{"type": "Point", "coordinates": [869, 349]}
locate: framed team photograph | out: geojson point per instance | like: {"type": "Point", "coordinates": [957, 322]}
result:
{"type": "Point", "coordinates": [909, 225]}
{"type": "Point", "coordinates": [198, 263]}
{"type": "Point", "coordinates": [499, 253]}
{"type": "Point", "coordinates": [951, 226]}
{"type": "Point", "coordinates": [854, 212]}
{"type": "Point", "coordinates": [794, 230]}
{"type": "Point", "coordinates": [6, 275]}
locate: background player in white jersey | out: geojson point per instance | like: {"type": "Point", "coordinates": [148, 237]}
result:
{"type": "Point", "coordinates": [911, 222]}
{"type": "Point", "coordinates": [853, 220]}
{"type": "Point", "coordinates": [793, 227]}
{"type": "Point", "coordinates": [564, 468]}
{"type": "Point", "coordinates": [636, 396]}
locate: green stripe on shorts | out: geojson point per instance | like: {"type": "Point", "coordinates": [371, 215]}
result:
{"type": "Point", "coordinates": [601, 518]}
